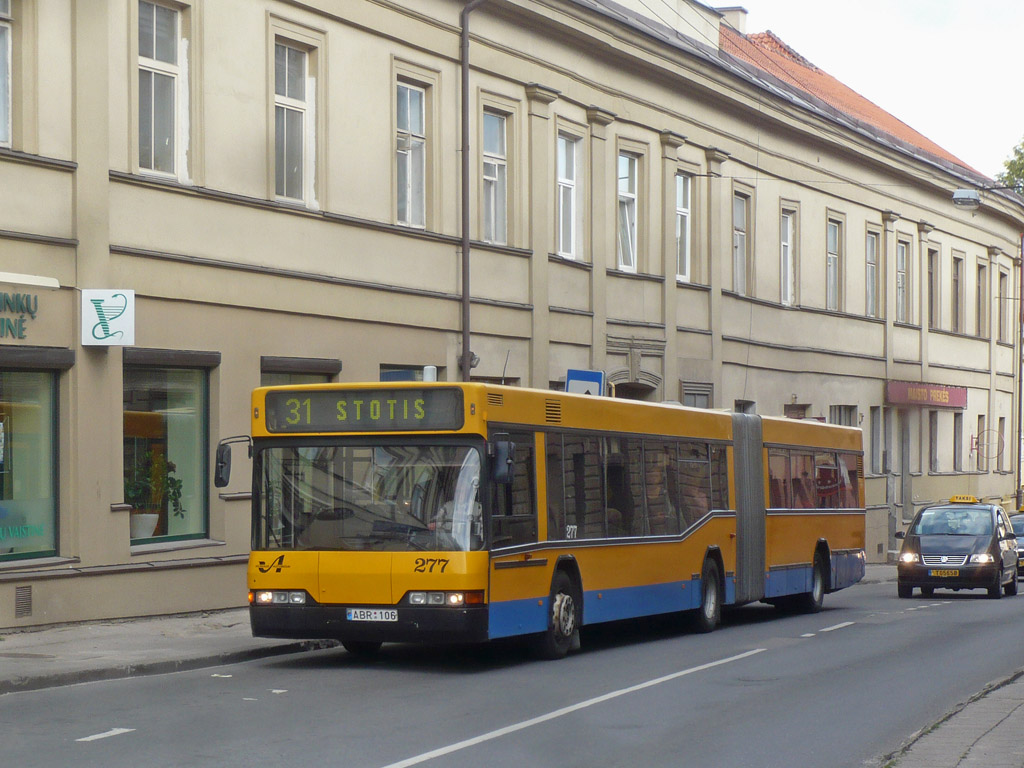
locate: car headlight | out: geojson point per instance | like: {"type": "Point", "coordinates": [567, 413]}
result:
{"type": "Point", "coordinates": [985, 558]}
{"type": "Point", "coordinates": [909, 557]}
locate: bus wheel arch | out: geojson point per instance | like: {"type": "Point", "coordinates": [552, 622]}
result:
{"type": "Point", "coordinates": [565, 612]}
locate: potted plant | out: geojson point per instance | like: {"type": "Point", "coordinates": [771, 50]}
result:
{"type": "Point", "coordinates": [151, 488]}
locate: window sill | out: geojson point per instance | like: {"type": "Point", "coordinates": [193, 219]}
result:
{"type": "Point", "coordinates": [174, 546]}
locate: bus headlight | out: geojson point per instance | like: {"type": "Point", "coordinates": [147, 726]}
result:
{"type": "Point", "coordinates": [276, 597]}
{"type": "Point", "coordinates": [450, 599]}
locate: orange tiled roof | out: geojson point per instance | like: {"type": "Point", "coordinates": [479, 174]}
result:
{"type": "Point", "coordinates": [768, 53]}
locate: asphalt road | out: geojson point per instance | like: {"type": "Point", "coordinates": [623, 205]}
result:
{"type": "Point", "coordinates": [837, 688]}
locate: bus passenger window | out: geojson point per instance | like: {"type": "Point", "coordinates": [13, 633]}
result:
{"type": "Point", "coordinates": [849, 486]}
{"type": "Point", "coordinates": [801, 467]}
{"type": "Point", "coordinates": [556, 489]}
{"type": "Point", "coordinates": [513, 512]}
{"type": "Point", "coordinates": [622, 475]}
{"type": "Point", "coordinates": [583, 484]}
{"type": "Point", "coordinates": [695, 481]}
{"type": "Point", "coordinates": [662, 488]}
{"type": "Point", "coordinates": [778, 478]}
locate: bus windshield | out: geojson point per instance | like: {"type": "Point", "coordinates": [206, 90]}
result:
{"type": "Point", "coordinates": [382, 497]}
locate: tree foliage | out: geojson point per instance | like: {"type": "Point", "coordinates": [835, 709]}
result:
{"type": "Point", "coordinates": [1013, 175]}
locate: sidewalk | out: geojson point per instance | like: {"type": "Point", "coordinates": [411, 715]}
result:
{"type": "Point", "coordinates": [985, 731]}
{"type": "Point", "coordinates": [79, 653]}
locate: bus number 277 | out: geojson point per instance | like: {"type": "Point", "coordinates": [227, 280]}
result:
{"type": "Point", "coordinates": [428, 564]}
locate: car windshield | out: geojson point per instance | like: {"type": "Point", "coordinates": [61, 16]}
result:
{"type": "Point", "coordinates": [953, 521]}
{"type": "Point", "coordinates": [369, 497]}
{"type": "Point", "coordinates": [1017, 521]}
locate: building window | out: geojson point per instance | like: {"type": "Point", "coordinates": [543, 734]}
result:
{"type": "Point", "coordinates": [1001, 445]}
{"type": "Point", "coordinates": [411, 155]}
{"type": "Point", "coordinates": [787, 257]}
{"type": "Point", "coordinates": [568, 196]}
{"type": "Point", "coordinates": [276, 371]}
{"type": "Point", "coordinates": [740, 242]}
{"type": "Point", "coordinates": [833, 256]}
{"type": "Point", "coordinates": [933, 288]}
{"type": "Point", "coordinates": [6, 76]}
{"type": "Point", "coordinates": [933, 441]}
{"type": "Point", "coordinates": [871, 274]}
{"type": "Point", "coordinates": [165, 447]}
{"type": "Point", "coordinates": [28, 477]}
{"type": "Point", "coordinates": [981, 302]}
{"type": "Point", "coordinates": [161, 87]}
{"type": "Point", "coordinates": [843, 414]}
{"type": "Point", "coordinates": [696, 394]}
{"type": "Point", "coordinates": [1004, 307]}
{"type": "Point", "coordinates": [495, 178]}
{"type": "Point", "coordinates": [291, 121]}
{"type": "Point", "coordinates": [902, 287]}
{"type": "Point", "coordinates": [982, 447]}
{"type": "Point", "coordinates": [888, 460]}
{"type": "Point", "coordinates": [958, 442]}
{"type": "Point", "coordinates": [627, 211]}
{"type": "Point", "coordinates": [957, 292]}
{"type": "Point", "coordinates": [876, 440]}
{"type": "Point", "coordinates": [683, 265]}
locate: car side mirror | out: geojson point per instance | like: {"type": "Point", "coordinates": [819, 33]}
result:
{"type": "Point", "coordinates": [901, 535]}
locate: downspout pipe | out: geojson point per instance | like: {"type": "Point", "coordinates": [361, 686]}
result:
{"type": "Point", "coordinates": [466, 358]}
{"type": "Point", "coordinates": [1020, 369]}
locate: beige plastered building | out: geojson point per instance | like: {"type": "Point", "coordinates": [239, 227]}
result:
{"type": "Point", "coordinates": [271, 191]}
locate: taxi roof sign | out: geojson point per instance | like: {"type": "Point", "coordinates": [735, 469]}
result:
{"type": "Point", "coordinates": [963, 498]}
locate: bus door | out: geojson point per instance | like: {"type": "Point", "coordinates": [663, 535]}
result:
{"type": "Point", "coordinates": [750, 511]}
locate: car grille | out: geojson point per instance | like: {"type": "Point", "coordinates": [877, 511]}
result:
{"type": "Point", "coordinates": [949, 559]}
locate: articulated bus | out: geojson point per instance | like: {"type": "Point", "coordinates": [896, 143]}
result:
{"type": "Point", "coordinates": [452, 512]}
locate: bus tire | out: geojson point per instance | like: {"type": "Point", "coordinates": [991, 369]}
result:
{"type": "Point", "coordinates": [710, 611]}
{"type": "Point", "coordinates": [564, 614]}
{"type": "Point", "coordinates": [811, 602]}
{"type": "Point", "coordinates": [363, 649]}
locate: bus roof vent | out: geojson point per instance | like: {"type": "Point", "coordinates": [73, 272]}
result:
{"type": "Point", "coordinates": [553, 411]}
{"type": "Point", "coordinates": [496, 399]}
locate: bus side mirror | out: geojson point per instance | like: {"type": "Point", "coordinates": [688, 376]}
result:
{"type": "Point", "coordinates": [504, 456]}
{"type": "Point", "coordinates": [222, 463]}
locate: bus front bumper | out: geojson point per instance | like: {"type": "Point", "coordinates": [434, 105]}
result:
{"type": "Point", "coordinates": [413, 624]}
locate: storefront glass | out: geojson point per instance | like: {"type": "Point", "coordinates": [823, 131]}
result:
{"type": "Point", "coordinates": [28, 429]}
{"type": "Point", "coordinates": [165, 445]}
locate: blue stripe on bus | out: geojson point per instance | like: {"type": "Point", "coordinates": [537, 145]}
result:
{"type": "Point", "coordinates": [631, 602]}
{"type": "Point", "coordinates": [517, 617]}
{"type": "Point", "coordinates": [788, 581]}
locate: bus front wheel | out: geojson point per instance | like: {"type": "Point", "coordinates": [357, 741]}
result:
{"type": "Point", "coordinates": [710, 610]}
{"type": "Point", "coordinates": [563, 619]}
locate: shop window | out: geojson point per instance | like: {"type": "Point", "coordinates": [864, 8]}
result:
{"type": "Point", "coordinates": [165, 447]}
{"type": "Point", "coordinates": [28, 485]}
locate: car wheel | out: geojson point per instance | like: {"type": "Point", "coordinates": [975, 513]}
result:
{"type": "Point", "coordinates": [1010, 588]}
{"type": "Point", "coordinates": [904, 590]}
{"type": "Point", "coordinates": [996, 590]}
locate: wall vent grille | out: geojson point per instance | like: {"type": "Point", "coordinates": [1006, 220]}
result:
{"type": "Point", "coordinates": [22, 602]}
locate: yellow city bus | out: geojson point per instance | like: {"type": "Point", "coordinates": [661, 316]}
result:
{"type": "Point", "coordinates": [443, 512]}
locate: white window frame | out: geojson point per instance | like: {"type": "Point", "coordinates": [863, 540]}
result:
{"type": "Point", "coordinates": [982, 309]}
{"type": "Point", "coordinates": [872, 240]}
{"type": "Point", "coordinates": [411, 157]}
{"type": "Point", "coordinates": [1004, 307]}
{"type": "Point", "coordinates": [957, 292]}
{"type": "Point", "coordinates": [6, 73]}
{"type": "Point", "coordinates": [684, 197]}
{"type": "Point", "coordinates": [627, 184]}
{"type": "Point", "coordinates": [787, 257]}
{"type": "Point", "coordinates": [494, 181]}
{"type": "Point", "coordinates": [902, 281]}
{"type": "Point", "coordinates": [958, 441]}
{"type": "Point", "coordinates": [177, 72]}
{"type": "Point", "coordinates": [290, 103]}
{"type": "Point", "coordinates": [833, 263]}
{"type": "Point", "coordinates": [568, 205]}
{"type": "Point", "coordinates": [740, 241]}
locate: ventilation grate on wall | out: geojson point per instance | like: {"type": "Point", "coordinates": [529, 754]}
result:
{"type": "Point", "coordinates": [496, 399]}
{"type": "Point", "coordinates": [552, 411]}
{"type": "Point", "coordinates": [22, 602]}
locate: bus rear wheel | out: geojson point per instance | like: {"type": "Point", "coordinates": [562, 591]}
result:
{"type": "Point", "coordinates": [811, 602]}
{"type": "Point", "coordinates": [710, 611]}
{"type": "Point", "coordinates": [563, 619]}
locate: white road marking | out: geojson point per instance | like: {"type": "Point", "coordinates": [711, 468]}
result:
{"type": "Point", "coordinates": [279, 690]}
{"type": "Point", "coordinates": [809, 634]}
{"type": "Point", "coordinates": [216, 675]}
{"type": "Point", "coordinates": [248, 698]}
{"type": "Point", "coordinates": [490, 736]}
{"type": "Point", "coordinates": [834, 627]}
{"type": "Point", "coordinates": [106, 735]}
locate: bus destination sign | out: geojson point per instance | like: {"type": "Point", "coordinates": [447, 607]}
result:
{"type": "Point", "coordinates": [364, 410]}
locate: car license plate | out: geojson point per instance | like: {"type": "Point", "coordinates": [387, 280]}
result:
{"type": "Point", "coordinates": [939, 573]}
{"type": "Point", "coordinates": [371, 614]}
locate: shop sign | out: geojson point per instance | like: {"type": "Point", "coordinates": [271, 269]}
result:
{"type": "Point", "coordinates": [16, 309]}
{"type": "Point", "coordinates": [925, 395]}
{"type": "Point", "coordinates": [108, 318]}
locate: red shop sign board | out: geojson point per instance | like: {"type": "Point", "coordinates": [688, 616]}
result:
{"type": "Point", "coordinates": [925, 395]}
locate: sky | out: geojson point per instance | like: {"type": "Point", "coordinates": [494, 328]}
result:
{"type": "Point", "coordinates": [953, 71]}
